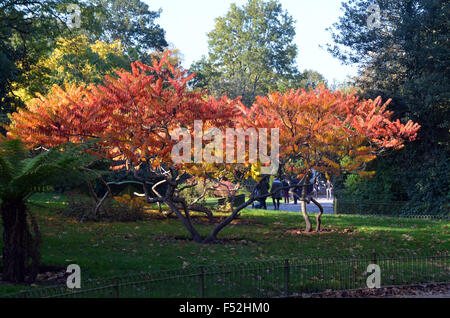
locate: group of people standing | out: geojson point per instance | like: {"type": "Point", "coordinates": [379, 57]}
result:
{"type": "Point", "coordinates": [280, 190]}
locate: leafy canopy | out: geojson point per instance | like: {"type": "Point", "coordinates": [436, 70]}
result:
{"type": "Point", "coordinates": [74, 60]}
{"type": "Point", "coordinates": [250, 50]}
{"type": "Point", "coordinates": [318, 128]}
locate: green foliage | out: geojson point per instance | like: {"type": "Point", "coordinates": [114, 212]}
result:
{"type": "Point", "coordinates": [27, 29]}
{"type": "Point", "coordinates": [23, 175]}
{"type": "Point", "coordinates": [307, 79]}
{"type": "Point", "coordinates": [405, 59]}
{"type": "Point", "coordinates": [382, 187]}
{"type": "Point", "coordinates": [429, 183]}
{"type": "Point", "coordinates": [132, 23]}
{"type": "Point", "coordinates": [74, 60]}
{"type": "Point", "coordinates": [250, 51]}
{"type": "Point", "coordinates": [31, 31]}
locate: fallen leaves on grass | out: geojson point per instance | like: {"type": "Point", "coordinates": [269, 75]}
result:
{"type": "Point", "coordinates": [417, 291]}
{"type": "Point", "coordinates": [297, 232]}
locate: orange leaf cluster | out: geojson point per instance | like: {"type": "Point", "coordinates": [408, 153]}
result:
{"type": "Point", "coordinates": [132, 114]}
{"type": "Point", "coordinates": [321, 127]}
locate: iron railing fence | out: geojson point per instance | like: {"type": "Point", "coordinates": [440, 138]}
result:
{"type": "Point", "coordinates": [395, 209]}
{"type": "Point", "coordinates": [273, 278]}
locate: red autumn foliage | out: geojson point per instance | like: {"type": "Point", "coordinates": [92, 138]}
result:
{"type": "Point", "coordinates": [321, 127]}
{"type": "Point", "coordinates": [131, 114]}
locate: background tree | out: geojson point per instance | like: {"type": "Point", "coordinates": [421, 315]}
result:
{"type": "Point", "coordinates": [406, 58]}
{"type": "Point", "coordinates": [26, 29]}
{"type": "Point", "coordinates": [31, 32]}
{"type": "Point", "coordinates": [132, 23]}
{"type": "Point", "coordinates": [250, 51]}
{"type": "Point", "coordinates": [133, 116]}
{"type": "Point", "coordinates": [307, 79]}
{"type": "Point", "coordinates": [74, 60]}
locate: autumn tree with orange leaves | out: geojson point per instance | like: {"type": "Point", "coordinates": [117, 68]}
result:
{"type": "Point", "coordinates": [134, 114]}
{"type": "Point", "coordinates": [320, 128]}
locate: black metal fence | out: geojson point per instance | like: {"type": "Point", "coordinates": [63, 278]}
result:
{"type": "Point", "coordinates": [395, 209]}
{"type": "Point", "coordinates": [274, 278]}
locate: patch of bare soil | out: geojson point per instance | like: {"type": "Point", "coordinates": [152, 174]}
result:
{"type": "Point", "coordinates": [297, 232]}
{"type": "Point", "coordinates": [183, 239]}
{"type": "Point", "coordinates": [416, 291]}
{"type": "Point", "coordinates": [217, 220]}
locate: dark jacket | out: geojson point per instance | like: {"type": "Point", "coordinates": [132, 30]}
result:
{"type": "Point", "coordinates": [262, 189]}
{"type": "Point", "coordinates": [276, 189]}
{"type": "Point", "coordinates": [297, 190]}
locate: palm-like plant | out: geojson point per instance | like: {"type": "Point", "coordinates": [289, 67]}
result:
{"type": "Point", "coordinates": [21, 175]}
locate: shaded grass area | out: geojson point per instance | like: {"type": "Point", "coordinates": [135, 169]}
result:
{"type": "Point", "coordinates": [115, 249]}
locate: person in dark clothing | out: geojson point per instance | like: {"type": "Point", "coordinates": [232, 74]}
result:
{"type": "Point", "coordinates": [276, 193]}
{"type": "Point", "coordinates": [297, 192]}
{"type": "Point", "coordinates": [263, 190]}
{"type": "Point", "coordinates": [256, 204]}
{"type": "Point", "coordinates": [309, 189]}
{"type": "Point", "coordinates": [285, 183]}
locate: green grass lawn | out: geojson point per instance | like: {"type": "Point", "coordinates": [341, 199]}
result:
{"type": "Point", "coordinates": [114, 249]}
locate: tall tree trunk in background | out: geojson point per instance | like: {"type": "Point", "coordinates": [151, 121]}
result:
{"type": "Point", "coordinates": [15, 250]}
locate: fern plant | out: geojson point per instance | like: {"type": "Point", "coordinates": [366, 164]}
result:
{"type": "Point", "coordinates": [21, 175]}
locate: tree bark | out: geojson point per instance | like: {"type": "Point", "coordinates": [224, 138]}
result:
{"type": "Point", "coordinates": [308, 227]}
{"type": "Point", "coordinates": [319, 215]}
{"type": "Point", "coordinates": [186, 222]}
{"type": "Point", "coordinates": [16, 241]}
{"type": "Point", "coordinates": [212, 237]}
{"type": "Point", "coordinates": [98, 201]}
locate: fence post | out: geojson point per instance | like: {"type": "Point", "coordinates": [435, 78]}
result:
{"type": "Point", "coordinates": [116, 288]}
{"type": "Point", "coordinates": [286, 277]}
{"type": "Point", "coordinates": [335, 206]}
{"type": "Point", "coordinates": [202, 282]}
{"type": "Point", "coordinates": [374, 258]}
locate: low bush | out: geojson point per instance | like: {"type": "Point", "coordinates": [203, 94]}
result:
{"type": "Point", "coordinates": [117, 209]}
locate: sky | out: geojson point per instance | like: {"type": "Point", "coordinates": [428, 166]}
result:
{"type": "Point", "coordinates": [187, 23]}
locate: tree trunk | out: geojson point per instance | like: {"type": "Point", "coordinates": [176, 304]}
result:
{"type": "Point", "coordinates": [308, 227]}
{"type": "Point", "coordinates": [212, 237]}
{"type": "Point", "coordinates": [16, 241]}
{"type": "Point", "coordinates": [319, 215]}
{"type": "Point", "coordinates": [186, 222]}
